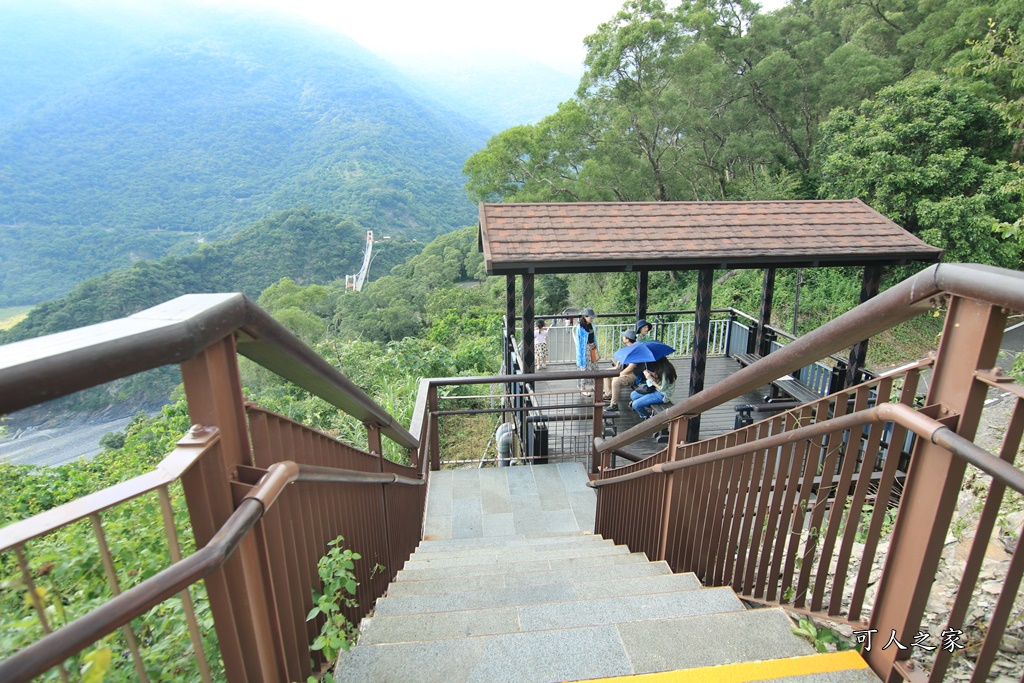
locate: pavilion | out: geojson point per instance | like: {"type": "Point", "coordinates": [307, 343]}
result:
{"type": "Point", "coordinates": [536, 238]}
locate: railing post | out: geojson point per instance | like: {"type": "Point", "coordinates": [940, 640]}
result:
{"type": "Point", "coordinates": [677, 430]}
{"type": "Point", "coordinates": [768, 339]}
{"type": "Point", "coordinates": [728, 333]}
{"type": "Point", "coordinates": [433, 438]}
{"type": "Point", "coordinates": [970, 341]}
{"type": "Point", "coordinates": [837, 381]}
{"type": "Point", "coordinates": [373, 442]}
{"type": "Point", "coordinates": [237, 591]}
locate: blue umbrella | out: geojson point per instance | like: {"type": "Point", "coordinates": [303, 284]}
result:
{"type": "Point", "coordinates": [643, 352]}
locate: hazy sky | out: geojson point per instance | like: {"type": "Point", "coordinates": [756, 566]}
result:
{"type": "Point", "coordinates": [550, 31]}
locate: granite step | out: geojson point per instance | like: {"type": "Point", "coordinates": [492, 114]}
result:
{"type": "Point", "coordinates": [505, 557]}
{"type": "Point", "coordinates": [429, 549]}
{"type": "Point", "coordinates": [525, 566]}
{"type": "Point", "coordinates": [579, 653]}
{"type": "Point", "coordinates": [553, 538]}
{"type": "Point", "coordinates": [536, 578]}
{"type": "Point", "coordinates": [532, 595]}
{"type": "Point", "coordinates": [526, 616]}
{"type": "Point", "coordinates": [826, 667]}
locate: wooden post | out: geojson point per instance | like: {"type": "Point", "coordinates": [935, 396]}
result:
{"type": "Point", "coordinates": [510, 319]}
{"type": "Point", "coordinates": [702, 328]}
{"type": "Point", "coordinates": [528, 348]}
{"type": "Point", "coordinates": [641, 294]}
{"type": "Point", "coordinates": [764, 319]}
{"type": "Point", "coordinates": [858, 353]}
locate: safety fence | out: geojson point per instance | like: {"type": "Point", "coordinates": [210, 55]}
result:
{"type": "Point", "coordinates": [822, 509]}
{"type": "Point", "coordinates": [249, 502]}
{"type": "Point", "coordinates": [679, 334]}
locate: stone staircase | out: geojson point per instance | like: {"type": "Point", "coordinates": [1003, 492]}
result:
{"type": "Point", "coordinates": [563, 604]}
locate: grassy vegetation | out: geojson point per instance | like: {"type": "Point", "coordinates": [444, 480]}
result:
{"type": "Point", "coordinates": [12, 315]}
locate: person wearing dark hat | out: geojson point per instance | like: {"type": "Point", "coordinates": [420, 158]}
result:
{"type": "Point", "coordinates": [586, 349]}
{"type": "Point", "coordinates": [627, 374]}
{"type": "Point", "coordinates": [643, 330]}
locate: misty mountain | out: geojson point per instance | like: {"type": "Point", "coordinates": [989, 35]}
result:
{"type": "Point", "coordinates": [498, 90]}
{"type": "Point", "coordinates": [192, 122]}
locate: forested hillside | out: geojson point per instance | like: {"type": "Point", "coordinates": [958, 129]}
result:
{"type": "Point", "coordinates": [204, 122]}
{"type": "Point", "coordinates": [301, 244]}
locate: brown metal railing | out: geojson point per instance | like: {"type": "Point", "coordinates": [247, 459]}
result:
{"type": "Point", "coordinates": [572, 419]}
{"type": "Point", "coordinates": [251, 519]}
{"type": "Point", "coordinates": [258, 576]}
{"type": "Point", "coordinates": [793, 510]}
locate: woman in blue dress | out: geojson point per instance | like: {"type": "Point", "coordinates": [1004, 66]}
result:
{"type": "Point", "coordinates": [586, 349]}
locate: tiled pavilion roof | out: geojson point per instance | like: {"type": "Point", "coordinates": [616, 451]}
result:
{"type": "Point", "coordinates": [603, 237]}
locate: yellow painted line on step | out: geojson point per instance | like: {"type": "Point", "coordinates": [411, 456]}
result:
{"type": "Point", "coordinates": [747, 672]}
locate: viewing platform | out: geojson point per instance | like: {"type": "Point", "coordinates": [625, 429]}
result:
{"type": "Point", "coordinates": [570, 439]}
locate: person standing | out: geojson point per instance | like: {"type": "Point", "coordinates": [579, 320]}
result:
{"type": "Point", "coordinates": [586, 349]}
{"type": "Point", "coordinates": [540, 338]}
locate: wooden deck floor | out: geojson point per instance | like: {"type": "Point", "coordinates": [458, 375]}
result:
{"type": "Point", "coordinates": [567, 439]}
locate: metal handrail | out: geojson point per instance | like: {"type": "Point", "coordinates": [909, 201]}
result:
{"type": "Point", "coordinates": [180, 460]}
{"type": "Point", "coordinates": [45, 368]}
{"type": "Point", "coordinates": [65, 642]}
{"type": "Point", "coordinates": [901, 414]}
{"type": "Point", "coordinates": [895, 305]}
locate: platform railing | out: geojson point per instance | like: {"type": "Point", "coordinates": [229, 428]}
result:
{"type": "Point", "coordinates": [264, 496]}
{"type": "Point", "coordinates": [675, 328]}
{"type": "Point", "coordinates": [793, 510]}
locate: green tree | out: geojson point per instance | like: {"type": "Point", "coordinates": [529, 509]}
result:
{"type": "Point", "coordinates": [932, 156]}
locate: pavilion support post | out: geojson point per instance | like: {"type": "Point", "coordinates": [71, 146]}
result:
{"type": "Point", "coordinates": [510, 319]}
{"type": "Point", "coordinates": [702, 328]}
{"type": "Point", "coordinates": [528, 350]}
{"type": "Point", "coordinates": [858, 352]}
{"type": "Point", "coordinates": [763, 344]}
{"type": "Point", "coordinates": [641, 294]}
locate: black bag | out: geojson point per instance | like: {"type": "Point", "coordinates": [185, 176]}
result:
{"type": "Point", "coordinates": [645, 388]}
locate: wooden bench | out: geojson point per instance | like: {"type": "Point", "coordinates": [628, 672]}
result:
{"type": "Point", "coordinates": [744, 412]}
{"type": "Point", "coordinates": [783, 386]}
{"type": "Point", "coordinates": [791, 386]}
{"type": "Point", "coordinates": [746, 359]}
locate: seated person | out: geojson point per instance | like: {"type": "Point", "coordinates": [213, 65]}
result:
{"type": "Point", "coordinates": [661, 381]}
{"type": "Point", "coordinates": [643, 330]}
{"type": "Point", "coordinates": [627, 374]}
